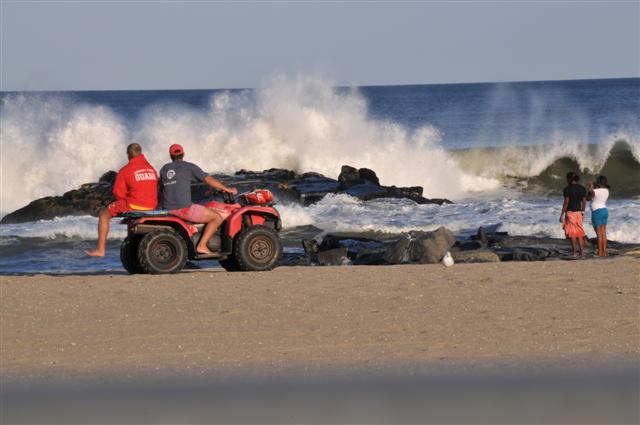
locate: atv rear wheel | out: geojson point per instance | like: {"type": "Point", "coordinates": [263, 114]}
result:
{"type": "Point", "coordinates": [129, 254]}
{"type": "Point", "coordinates": [162, 252]}
{"type": "Point", "coordinates": [257, 248]}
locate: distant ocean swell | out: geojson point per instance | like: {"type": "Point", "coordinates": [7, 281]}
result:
{"type": "Point", "coordinates": [52, 144]}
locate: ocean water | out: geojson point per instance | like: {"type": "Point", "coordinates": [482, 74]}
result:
{"type": "Point", "coordinates": [498, 150]}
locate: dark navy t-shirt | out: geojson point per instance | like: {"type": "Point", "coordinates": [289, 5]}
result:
{"type": "Point", "coordinates": [575, 193]}
{"type": "Point", "coordinates": [176, 178]}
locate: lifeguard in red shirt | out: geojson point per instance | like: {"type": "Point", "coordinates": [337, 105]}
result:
{"type": "Point", "coordinates": [135, 189]}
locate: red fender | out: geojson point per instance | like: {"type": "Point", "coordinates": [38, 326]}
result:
{"type": "Point", "coordinates": [256, 215]}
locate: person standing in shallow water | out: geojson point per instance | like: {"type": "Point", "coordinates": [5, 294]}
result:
{"type": "Point", "coordinates": [598, 195]}
{"type": "Point", "coordinates": [571, 217]}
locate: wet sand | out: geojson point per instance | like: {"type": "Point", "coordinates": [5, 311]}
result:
{"type": "Point", "coordinates": [363, 319]}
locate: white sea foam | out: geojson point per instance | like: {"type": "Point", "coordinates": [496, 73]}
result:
{"type": "Point", "coordinates": [304, 124]}
{"type": "Point", "coordinates": [518, 217]}
{"type": "Point", "coordinates": [50, 145]}
{"type": "Point", "coordinates": [80, 227]}
{"type": "Point", "coordinates": [348, 214]}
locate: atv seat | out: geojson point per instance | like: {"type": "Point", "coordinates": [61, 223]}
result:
{"type": "Point", "coordinates": [140, 214]}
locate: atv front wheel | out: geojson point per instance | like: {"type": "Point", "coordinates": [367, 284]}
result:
{"type": "Point", "coordinates": [257, 248]}
{"type": "Point", "coordinates": [129, 254]}
{"type": "Point", "coordinates": [162, 252]}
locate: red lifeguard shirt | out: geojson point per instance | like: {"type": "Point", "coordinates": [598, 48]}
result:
{"type": "Point", "coordinates": [137, 184]}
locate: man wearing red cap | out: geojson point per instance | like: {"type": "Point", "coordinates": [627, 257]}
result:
{"type": "Point", "coordinates": [176, 178]}
{"type": "Point", "coordinates": [135, 189]}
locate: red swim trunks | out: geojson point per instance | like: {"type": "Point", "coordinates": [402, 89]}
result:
{"type": "Point", "coordinates": [196, 213]}
{"type": "Point", "coordinates": [118, 207]}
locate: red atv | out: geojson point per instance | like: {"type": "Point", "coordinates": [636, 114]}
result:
{"type": "Point", "coordinates": [247, 240]}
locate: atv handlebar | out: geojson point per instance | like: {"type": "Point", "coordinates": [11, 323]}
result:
{"type": "Point", "coordinates": [228, 198]}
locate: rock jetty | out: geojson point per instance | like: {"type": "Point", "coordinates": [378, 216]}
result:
{"type": "Point", "coordinates": [287, 186]}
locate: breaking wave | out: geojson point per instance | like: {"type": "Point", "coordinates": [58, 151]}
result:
{"type": "Point", "coordinates": [542, 168]}
{"type": "Point", "coordinates": [51, 145]}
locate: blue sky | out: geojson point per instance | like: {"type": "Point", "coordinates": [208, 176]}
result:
{"type": "Point", "coordinates": [164, 45]}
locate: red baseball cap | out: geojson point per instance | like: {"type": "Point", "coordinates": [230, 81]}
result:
{"type": "Point", "coordinates": [176, 149]}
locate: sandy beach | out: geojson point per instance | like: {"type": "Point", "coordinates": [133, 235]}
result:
{"type": "Point", "coordinates": [209, 321]}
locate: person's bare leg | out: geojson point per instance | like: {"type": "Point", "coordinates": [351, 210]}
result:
{"type": "Point", "coordinates": [103, 231]}
{"type": "Point", "coordinates": [599, 236]}
{"type": "Point", "coordinates": [574, 243]}
{"type": "Point", "coordinates": [602, 241]}
{"type": "Point", "coordinates": [581, 243]}
{"type": "Point", "coordinates": [214, 221]}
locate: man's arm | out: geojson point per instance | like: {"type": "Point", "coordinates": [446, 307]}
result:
{"type": "Point", "coordinates": [216, 184]}
{"type": "Point", "coordinates": [120, 187]}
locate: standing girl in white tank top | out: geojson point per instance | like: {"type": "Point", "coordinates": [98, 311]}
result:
{"type": "Point", "coordinates": [598, 195]}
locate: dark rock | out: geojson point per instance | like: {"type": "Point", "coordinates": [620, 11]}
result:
{"type": "Point", "coordinates": [420, 247]}
{"type": "Point", "coordinates": [108, 178]}
{"type": "Point", "coordinates": [293, 235]}
{"type": "Point", "coordinates": [333, 257]}
{"type": "Point", "coordinates": [481, 236]}
{"type": "Point", "coordinates": [330, 241]}
{"type": "Point", "coordinates": [310, 247]}
{"type": "Point", "coordinates": [366, 191]}
{"type": "Point", "coordinates": [399, 252]}
{"type": "Point", "coordinates": [412, 190]}
{"type": "Point", "coordinates": [370, 257]}
{"type": "Point", "coordinates": [478, 256]}
{"type": "Point", "coordinates": [532, 253]}
{"type": "Point", "coordinates": [270, 174]}
{"type": "Point", "coordinates": [348, 177]}
{"type": "Point", "coordinates": [366, 174]}
{"type": "Point", "coordinates": [354, 244]}
{"type": "Point", "coordinates": [432, 246]}
{"type": "Point", "coordinates": [312, 187]}
{"type": "Point", "coordinates": [440, 201]}
{"type": "Point", "coordinates": [88, 200]}
{"type": "Point", "coordinates": [469, 245]}
{"type": "Point", "coordinates": [295, 259]}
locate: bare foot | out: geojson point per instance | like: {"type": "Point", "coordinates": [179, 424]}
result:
{"type": "Point", "coordinates": [203, 251]}
{"type": "Point", "coordinates": [95, 253]}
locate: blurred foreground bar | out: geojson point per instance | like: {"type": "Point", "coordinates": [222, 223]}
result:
{"type": "Point", "coordinates": [599, 397]}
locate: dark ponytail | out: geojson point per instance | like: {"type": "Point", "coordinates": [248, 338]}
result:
{"type": "Point", "coordinates": [601, 181]}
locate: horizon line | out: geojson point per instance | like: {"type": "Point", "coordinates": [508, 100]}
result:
{"type": "Point", "coordinates": [337, 86]}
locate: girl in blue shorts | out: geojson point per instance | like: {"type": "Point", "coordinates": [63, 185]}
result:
{"type": "Point", "coordinates": [598, 195]}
